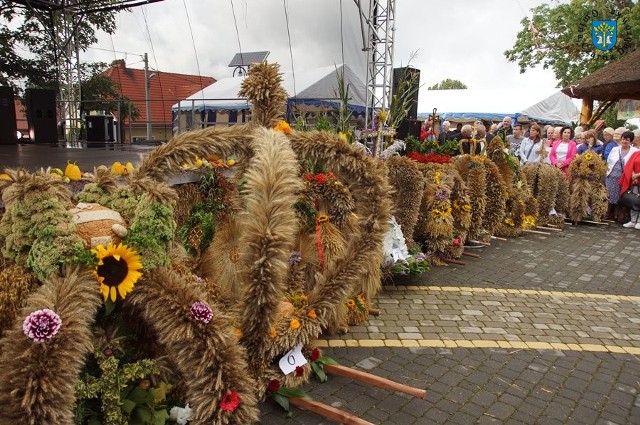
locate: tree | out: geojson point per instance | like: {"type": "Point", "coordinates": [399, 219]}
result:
{"type": "Point", "coordinates": [100, 93]}
{"type": "Point", "coordinates": [559, 37]}
{"type": "Point", "coordinates": [448, 84]}
{"type": "Point", "coordinates": [32, 41]}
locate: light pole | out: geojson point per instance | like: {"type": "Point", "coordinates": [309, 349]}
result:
{"type": "Point", "coordinates": [146, 96]}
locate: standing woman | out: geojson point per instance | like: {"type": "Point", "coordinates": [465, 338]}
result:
{"type": "Point", "coordinates": [563, 150]}
{"type": "Point", "coordinates": [531, 148]}
{"type": "Point", "coordinates": [615, 165]}
{"type": "Point", "coordinates": [591, 143]}
{"type": "Point", "coordinates": [631, 179]}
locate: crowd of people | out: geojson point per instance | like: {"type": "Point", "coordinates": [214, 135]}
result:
{"type": "Point", "coordinates": [558, 146]}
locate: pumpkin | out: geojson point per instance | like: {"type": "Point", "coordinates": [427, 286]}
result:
{"type": "Point", "coordinates": [73, 172]}
{"type": "Point", "coordinates": [117, 168]}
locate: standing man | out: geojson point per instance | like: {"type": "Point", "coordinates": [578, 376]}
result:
{"type": "Point", "coordinates": [445, 134]}
{"type": "Point", "coordinates": [515, 140]}
{"type": "Point", "coordinates": [506, 125]}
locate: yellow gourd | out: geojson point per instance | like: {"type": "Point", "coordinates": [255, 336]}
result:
{"type": "Point", "coordinates": [73, 172]}
{"type": "Point", "coordinates": [117, 168]}
{"type": "Point", "coordinates": [127, 169]}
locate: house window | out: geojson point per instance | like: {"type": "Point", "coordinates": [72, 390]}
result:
{"type": "Point", "coordinates": [233, 117]}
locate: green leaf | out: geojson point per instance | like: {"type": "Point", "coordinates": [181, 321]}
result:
{"type": "Point", "coordinates": [128, 405]}
{"type": "Point", "coordinates": [326, 360]}
{"type": "Point", "coordinates": [140, 396]}
{"type": "Point", "coordinates": [93, 420]}
{"type": "Point", "coordinates": [281, 400]}
{"type": "Point", "coordinates": [292, 392]}
{"type": "Point", "coordinates": [109, 306]}
{"type": "Point", "coordinates": [319, 371]}
{"type": "Point", "coordinates": [143, 414]}
{"type": "Point", "coordinates": [160, 417]}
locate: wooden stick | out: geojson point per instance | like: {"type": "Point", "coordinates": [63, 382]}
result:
{"type": "Point", "coordinates": [374, 380]}
{"type": "Point", "coordinates": [453, 261]}
{"type": "Point", "coordinates": [537, 232]}
{"type": "Point", "coordinates": [374, 311]}
{"type": "Point", "coordinates": [327, 411]}
{"type": "Point", "coordinates": [498, 238]}
{"type": "Point", "coordinates": [554, 229]}
{"type": "Point", "coordinates": [594, 222]}
{"type": "Point", "coordinates": [470, 254]}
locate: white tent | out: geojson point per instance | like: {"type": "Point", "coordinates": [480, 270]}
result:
{"type": "Point", "coordinates": [550, 106]}
{"type": "Point", "coordinates": [313, 87]}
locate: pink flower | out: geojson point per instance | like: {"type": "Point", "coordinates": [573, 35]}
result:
{"type": "Point", "coordinates": [41, 325]}
{"type": "Point", "coordinates": [201, 311]}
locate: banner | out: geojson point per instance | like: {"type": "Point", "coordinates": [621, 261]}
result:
{"type": "Point", "coordinates": [628, 108]}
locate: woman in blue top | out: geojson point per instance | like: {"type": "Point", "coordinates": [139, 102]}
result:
{"type": "Point", "coordinates": [591, 143]}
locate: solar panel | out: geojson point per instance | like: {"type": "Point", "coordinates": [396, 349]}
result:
{"type": "Point", "coordinates": [247, 58]}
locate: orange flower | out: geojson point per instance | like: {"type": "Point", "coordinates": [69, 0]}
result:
{"type": "Point", "coordinates": [351, 304]}
{"type": "Point", "coordinates": [237, 331]}
{"type": "Point", "coordinates": [283, 127]}
{"type": "Point", "coordinates": [273, 333]}
{"type": "Point", "coordinates": [295, 324]}
{"type": "Point", "coordinates": [312, 314]}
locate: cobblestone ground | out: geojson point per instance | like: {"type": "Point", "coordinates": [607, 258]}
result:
{"type": "Point", "coordinates": [540, 329]}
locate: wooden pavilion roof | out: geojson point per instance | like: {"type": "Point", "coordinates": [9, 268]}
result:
{"type": "Point", "coordinates": [618, 80]}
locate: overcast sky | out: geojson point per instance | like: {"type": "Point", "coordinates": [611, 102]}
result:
{"type": "Point", "coordinates": [462, 39]}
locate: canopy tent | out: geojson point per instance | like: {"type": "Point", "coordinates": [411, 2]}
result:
{"type": "Point", "coordinates": [493, 105]}
{"type": "Point", "coordinates": [318, 87]}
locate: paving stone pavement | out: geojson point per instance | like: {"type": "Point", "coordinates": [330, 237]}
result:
{"type": "Point", "coordinates": [541, 329]}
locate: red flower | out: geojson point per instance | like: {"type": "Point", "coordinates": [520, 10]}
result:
{"type": "Point", "coordinates": [299, 371]}
{"type": "Point", "coordinates": [308, 177]}
{"type": "Point", "coordinates": [331, 175]}
{"type": "Point", "coordinates": [457, 242]}
{"type": "Point", "coordinates": [315, 354]}
{"type": "Point", "coordinates": [274, 385]}
{"type": "Point", "coordinates": [230, 402]}
{"type": "Point", "coordinates": [320, 178]}
{"type": "Point", "coordinates": [430, 157]}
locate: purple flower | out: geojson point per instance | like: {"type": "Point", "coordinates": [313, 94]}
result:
{"type": "Point", "coordinates": [41, 325]}
{"type": "Point", "coordinates": [421, 256]}
{"type": "Point", "coordinates": [295, 258]}
{"type": "Point", "coordinates": [441, 194]}
{"type": "Point", "coordinates": [201, 311]}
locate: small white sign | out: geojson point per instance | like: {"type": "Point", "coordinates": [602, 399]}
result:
{"type": "Point", "coordinates": [292, 359]}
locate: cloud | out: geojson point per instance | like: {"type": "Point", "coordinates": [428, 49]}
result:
{"type": "Point", "coordinates": [463, 40]}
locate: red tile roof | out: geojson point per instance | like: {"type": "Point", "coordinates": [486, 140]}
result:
{"type": "Point", "coordinates": [165, 89]}
{"type": "Point", "coordinates": [21, 117]}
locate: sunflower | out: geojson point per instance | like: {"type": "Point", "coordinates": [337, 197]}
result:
{"type": "Point", "coordinates": [117, 270]}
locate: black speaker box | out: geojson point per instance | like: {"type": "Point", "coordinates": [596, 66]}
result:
{"type": "Point", "coordinates": [41, 115]}
{"type": "Point", "coordinates": [409, 127]}
{"type": "Point", "coordinates": [8, 126]}
{"type": "Point", "coordinates": [409, 74]}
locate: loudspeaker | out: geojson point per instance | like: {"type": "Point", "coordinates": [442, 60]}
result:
{"type": "Point", "coordinates": [409, 127]}
{"type": "Point", "coordinates": [99, 128]}
{"type": "Point", "coordinates": [41, 115]}
{"type": "Point", "coordinates": [8, 126]}
{"type": "Point", "coordinates": [412, 75]}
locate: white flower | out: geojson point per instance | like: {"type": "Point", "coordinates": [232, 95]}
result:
{"type": "Point", "coordinates": [180, 414]}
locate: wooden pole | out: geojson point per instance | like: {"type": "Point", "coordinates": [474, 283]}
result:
{"type": "Point", "coordinates": [327, 411]}
{"type": "Point", "coordinates": [587, 110]}
{"type": "Point", "coordinates": [537, 232]}
{"type": "Point", "coordinates": [470, 254]}
{"type": "Point", "coordinates": [453, 261]}
{"type": "Point", "coordinates": [498, 238]}
{"type": "Point", "coordinates": [555, 229]}
{"type": "Point", "coordinates": [374, 380]}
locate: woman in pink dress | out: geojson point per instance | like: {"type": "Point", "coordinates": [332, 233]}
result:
{"type": "Point", "coordinates": [563, 151]}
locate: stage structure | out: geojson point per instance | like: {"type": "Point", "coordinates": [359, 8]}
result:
{"type": "Point", "coordinates": [379, 21]}
{"type": "Point", "coordinates": [65, 17]}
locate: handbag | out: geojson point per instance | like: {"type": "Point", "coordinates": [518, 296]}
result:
{"type": "Point", "coordinates": [630, 199]}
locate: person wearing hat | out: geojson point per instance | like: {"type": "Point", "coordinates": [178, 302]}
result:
{"type": "Point", "coordinates": [608, 143]}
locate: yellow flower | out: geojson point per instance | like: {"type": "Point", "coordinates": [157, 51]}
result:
{"type": "Point", "coordinates": [351, 304]}
{"type": "Point", "coordinates": [382, 116]}
{"type": "Point", "coordinates": [312, 314]}
{"type": "Point", "coordinates": [283, 127]}
{"type": "Point", "coordinates": [588, 156]}
{"type": "Point", "coordinates": [342, 136]}
{"type": "Point", "coordinates": [509, 221]}
{"type": "Point", "coordinates": [438, 213]}
{"type": "Point", "coordinates": [436, 177]}
{"type": "Point", "coordinates": [295, 324]}
{"type": "Point", "coordinates": [117, 270]}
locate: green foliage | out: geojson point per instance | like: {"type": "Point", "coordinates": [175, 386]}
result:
{"type": "Point", "coordinates": [306, 210]}
{"type": "Point", "coordinates": [284, 393]}
{"type": "Point", "coordinates": [448, 84]}
{"type": "Point", "coordinates": [216, 191]}
{"type": "Point", "coordinates": [450, 147]}
{"type": "Point", "coordinates": [318, 367]}
{"type": "Point", "coordinates": [118, 393]}
{"type": "Point", "coordinates": [344, 114]}
{"type": "Point", "coordinates": [29, 46]}
{"type": "Point", "coordinates": [560, 37]}
{"type": "Point", "coordinates": [415, 264]}
{"type": "Point", "coordinates": [100, 93]}
{"type": "Point", "coordinates": [323, 123]}
{"type": "Point", "coordinates": [152, 229]}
